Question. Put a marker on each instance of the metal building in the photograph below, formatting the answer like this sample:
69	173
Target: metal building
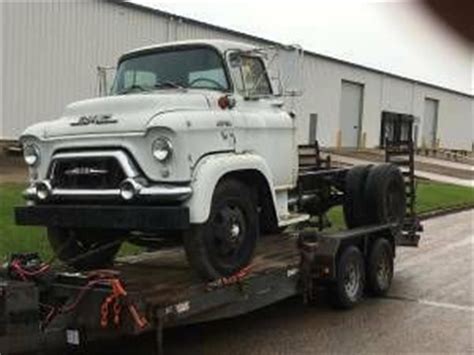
51	50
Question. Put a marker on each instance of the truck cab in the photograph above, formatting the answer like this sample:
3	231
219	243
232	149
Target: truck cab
192	143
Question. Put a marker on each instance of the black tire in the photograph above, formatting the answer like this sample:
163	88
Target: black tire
226	242
69	244
380	268
355	207
385	194
348	289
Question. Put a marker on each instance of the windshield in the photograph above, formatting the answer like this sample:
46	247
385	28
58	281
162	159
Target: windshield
176	68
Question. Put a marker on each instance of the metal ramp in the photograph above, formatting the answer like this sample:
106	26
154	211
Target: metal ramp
400	150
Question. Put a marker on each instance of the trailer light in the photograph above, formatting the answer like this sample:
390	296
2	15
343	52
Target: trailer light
162	149
43	190
31	154
129	189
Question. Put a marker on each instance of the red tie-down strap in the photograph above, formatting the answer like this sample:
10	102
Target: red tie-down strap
230	280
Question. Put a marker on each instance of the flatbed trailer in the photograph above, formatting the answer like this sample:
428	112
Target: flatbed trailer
165	292
42	308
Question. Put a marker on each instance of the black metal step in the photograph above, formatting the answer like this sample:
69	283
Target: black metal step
408	240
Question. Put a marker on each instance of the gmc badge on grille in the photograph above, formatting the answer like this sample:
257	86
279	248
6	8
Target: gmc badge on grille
85	170
94	119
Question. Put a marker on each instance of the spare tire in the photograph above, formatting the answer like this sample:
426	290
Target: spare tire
385	195
354	206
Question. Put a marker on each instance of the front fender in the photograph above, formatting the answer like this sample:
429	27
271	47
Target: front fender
210	170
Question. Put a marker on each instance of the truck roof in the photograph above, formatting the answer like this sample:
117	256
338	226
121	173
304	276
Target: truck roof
219	44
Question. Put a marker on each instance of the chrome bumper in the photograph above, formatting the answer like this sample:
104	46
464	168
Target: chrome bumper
153	192
133	188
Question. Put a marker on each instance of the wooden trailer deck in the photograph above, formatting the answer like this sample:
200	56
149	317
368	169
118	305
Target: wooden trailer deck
164	277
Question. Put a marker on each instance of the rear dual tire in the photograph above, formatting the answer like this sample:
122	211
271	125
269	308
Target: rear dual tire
374	195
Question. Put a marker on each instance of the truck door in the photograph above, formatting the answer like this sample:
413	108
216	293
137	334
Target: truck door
260	124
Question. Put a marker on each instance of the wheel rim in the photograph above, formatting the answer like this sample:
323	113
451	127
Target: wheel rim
352	280
229	228
383	273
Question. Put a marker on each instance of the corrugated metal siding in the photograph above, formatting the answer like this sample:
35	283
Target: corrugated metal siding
51	51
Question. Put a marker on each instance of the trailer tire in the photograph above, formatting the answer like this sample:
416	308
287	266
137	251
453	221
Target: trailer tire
69	244
380	268
354	206
348	289
385	195
226	242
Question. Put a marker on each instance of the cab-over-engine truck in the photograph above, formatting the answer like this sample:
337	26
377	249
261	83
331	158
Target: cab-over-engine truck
193	144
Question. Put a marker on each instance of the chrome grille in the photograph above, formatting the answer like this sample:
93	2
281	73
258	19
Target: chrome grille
87	173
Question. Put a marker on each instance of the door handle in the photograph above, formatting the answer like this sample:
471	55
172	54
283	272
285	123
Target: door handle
224	123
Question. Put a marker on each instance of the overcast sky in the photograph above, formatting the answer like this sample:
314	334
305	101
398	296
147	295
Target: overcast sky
395	36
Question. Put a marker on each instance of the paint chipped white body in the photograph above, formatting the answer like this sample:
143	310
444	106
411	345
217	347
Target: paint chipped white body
248	131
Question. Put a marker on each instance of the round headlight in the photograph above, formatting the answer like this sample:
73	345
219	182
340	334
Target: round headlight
162	149
31	154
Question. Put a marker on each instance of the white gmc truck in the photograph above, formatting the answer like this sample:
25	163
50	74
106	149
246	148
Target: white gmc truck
193	144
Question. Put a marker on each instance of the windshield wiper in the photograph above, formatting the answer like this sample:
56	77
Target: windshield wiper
169	84
131	88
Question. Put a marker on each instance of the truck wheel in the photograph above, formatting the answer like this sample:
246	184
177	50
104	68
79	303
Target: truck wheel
354	206
349	286
226	242
68	244
380	268
385	194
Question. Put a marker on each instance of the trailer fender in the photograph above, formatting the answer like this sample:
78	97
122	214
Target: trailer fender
211	169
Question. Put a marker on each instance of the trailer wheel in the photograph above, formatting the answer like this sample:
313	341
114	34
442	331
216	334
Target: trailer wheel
226	242
380	268
385	194
354	206
69	244
349	286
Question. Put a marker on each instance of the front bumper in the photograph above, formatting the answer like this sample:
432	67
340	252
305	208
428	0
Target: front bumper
144	193
138	218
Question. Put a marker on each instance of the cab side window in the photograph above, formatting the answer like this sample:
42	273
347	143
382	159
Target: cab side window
252	79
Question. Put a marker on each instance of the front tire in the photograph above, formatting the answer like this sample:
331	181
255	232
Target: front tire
70	244
226	242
